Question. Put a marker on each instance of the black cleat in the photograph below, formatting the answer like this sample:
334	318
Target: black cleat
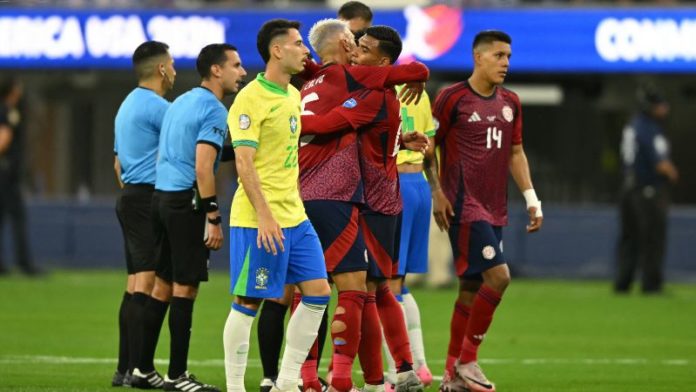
266	385
187	382
121	379
152	380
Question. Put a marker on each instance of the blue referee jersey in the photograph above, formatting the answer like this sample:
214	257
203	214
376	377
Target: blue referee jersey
195	117
643	146
137	131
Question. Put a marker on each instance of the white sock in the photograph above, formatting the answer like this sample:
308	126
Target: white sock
236	341
301	333
413	325
391	365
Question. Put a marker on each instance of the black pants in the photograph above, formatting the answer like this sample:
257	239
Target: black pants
12	207
643	237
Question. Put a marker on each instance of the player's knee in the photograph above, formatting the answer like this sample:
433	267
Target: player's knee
338	326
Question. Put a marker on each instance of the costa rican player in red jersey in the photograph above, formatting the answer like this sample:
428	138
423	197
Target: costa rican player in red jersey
331	184
480	139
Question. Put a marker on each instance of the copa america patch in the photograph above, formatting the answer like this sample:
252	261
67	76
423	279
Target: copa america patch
244	122
507	113
350	103
488	252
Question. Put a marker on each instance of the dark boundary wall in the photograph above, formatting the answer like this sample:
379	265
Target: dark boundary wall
575	242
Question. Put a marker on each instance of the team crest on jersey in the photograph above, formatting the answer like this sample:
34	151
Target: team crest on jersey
293	124
350	103
244	121
488	252
507	113
261	278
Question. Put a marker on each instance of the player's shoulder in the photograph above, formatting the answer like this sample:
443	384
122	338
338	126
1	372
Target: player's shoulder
453	91
509	94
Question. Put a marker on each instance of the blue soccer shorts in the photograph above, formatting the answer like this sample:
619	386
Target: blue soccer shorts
256	273
476	247
415	224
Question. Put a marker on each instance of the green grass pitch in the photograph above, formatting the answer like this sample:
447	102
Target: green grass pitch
59	333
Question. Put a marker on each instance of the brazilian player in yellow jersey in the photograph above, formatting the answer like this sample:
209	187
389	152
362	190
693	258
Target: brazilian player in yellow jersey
271	241
415	227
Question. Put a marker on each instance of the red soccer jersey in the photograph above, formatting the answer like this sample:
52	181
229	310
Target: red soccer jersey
378	143
329	166
475	136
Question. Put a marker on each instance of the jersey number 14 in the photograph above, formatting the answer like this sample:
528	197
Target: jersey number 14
494	136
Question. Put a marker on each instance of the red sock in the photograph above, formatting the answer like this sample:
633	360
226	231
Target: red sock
392	317
296	299
349	313
460	318
310	378
480	319
370	351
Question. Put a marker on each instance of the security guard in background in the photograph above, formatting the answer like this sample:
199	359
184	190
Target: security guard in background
11	154
648	172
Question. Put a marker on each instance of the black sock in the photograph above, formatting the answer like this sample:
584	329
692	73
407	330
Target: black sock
270	331
153	317
323	328
180	319
123	333
135	328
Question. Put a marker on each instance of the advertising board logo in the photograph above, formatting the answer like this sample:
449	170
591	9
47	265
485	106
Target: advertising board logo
430	32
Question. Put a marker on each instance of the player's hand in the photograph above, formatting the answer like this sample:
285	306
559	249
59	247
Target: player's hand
415	141
442	210
535	220
411	91
270	234
213	239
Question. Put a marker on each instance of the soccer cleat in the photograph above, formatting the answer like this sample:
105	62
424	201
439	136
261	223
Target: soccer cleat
452	384
324	385
408	382
188	383
152	380
425	375
389	386
120	379
373	388
266	385
473	377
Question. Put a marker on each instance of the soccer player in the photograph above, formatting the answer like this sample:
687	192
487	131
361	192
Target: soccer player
357	14
333	159
185	208
137	130
415	229
480	139
272	243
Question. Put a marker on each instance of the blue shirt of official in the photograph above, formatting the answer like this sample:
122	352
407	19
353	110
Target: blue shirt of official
137	131
195	117
643	146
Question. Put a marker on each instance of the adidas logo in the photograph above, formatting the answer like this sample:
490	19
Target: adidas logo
475	117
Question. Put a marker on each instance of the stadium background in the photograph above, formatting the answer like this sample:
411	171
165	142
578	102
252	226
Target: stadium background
576	66
577	83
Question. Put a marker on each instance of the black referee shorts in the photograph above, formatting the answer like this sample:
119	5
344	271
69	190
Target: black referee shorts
134	212
181	254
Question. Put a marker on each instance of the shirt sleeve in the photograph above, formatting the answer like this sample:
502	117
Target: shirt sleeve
362	107
244	122
517	125
213	127
442	113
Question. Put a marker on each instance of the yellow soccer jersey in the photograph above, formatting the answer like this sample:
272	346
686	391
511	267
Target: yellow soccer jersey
266	117
416	118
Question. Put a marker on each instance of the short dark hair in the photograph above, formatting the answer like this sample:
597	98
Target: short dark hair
389	41
490	36
210	55
355	9
649	96
143	55
270	30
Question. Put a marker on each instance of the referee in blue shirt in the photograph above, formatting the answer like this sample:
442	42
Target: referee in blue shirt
187	222
137	130
648	172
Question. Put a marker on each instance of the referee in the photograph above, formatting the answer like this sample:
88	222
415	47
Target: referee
185	209
137	129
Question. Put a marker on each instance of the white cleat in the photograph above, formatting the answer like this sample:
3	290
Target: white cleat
473	377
